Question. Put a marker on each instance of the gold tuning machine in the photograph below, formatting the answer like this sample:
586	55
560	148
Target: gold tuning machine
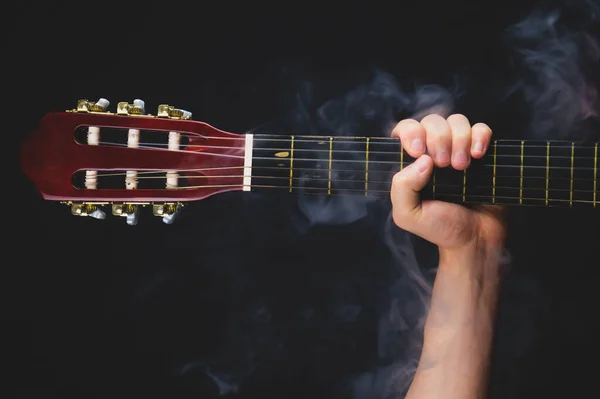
87	106
168	111
138	107
128	211
168	211
84	209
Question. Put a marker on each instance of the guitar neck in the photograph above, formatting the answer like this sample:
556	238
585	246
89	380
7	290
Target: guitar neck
536	173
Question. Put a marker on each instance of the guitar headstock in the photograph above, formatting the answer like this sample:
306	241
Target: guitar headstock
90	157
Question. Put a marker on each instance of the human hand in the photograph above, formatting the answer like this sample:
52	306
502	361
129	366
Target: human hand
443	142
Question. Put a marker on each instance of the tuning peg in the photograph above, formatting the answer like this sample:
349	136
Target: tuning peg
138	107
129	211
168	111
167	211
140	104
91	210
99	106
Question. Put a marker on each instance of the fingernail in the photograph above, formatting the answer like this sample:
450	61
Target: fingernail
478	147
417	145
461	157
442	157
421	164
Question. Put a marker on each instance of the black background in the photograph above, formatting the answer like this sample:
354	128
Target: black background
103	310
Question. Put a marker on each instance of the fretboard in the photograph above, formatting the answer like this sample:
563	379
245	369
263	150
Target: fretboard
539	173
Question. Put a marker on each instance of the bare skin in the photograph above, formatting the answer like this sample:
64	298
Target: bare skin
459	329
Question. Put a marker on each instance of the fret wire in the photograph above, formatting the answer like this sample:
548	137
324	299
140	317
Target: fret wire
494	174
595	171
521	178
330	159
433	183
464	191
367	168
572	164
547	170
291	163
401	158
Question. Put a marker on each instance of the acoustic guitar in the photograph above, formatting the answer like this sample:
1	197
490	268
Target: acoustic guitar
93	160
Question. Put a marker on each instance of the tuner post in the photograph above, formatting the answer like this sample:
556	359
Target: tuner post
138	107
93	135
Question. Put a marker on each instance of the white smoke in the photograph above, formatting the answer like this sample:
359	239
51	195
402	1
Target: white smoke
554	63
370	109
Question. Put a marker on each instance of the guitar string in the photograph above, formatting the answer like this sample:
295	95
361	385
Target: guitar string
469	198
286	170
163	146
347	161
358	181
500	143
475	198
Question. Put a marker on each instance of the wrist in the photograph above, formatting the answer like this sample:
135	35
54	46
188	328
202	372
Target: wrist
477	258
467	287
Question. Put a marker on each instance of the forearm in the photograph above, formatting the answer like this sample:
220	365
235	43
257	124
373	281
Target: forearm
459	329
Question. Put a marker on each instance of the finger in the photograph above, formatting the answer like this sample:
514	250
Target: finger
461	141
412	137
406	185
439	139
481	135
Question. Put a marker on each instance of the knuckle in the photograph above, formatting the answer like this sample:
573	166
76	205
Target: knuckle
461	136
481	130
399	181
406	127
432	118
438	129
458	119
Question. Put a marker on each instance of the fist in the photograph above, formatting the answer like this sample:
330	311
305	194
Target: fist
450	142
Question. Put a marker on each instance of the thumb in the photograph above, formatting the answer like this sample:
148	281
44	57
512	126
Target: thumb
406	184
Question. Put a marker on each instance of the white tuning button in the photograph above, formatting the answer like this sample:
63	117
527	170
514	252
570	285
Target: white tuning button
132	218
103	103
185	114
140	104
168	212
170	218
98	214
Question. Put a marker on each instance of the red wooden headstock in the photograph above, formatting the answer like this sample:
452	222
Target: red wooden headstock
89	157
